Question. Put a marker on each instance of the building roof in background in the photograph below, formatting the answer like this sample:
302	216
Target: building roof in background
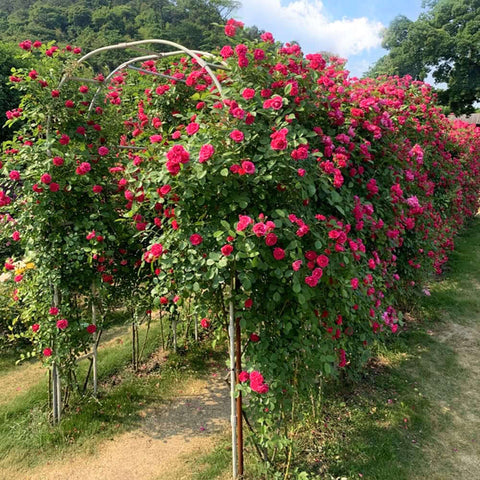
473	118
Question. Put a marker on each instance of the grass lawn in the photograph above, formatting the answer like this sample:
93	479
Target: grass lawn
415	414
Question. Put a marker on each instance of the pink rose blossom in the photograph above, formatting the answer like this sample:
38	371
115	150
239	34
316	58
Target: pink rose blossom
248	93
196	239
206	152
296	265
237	136
62	324
156	138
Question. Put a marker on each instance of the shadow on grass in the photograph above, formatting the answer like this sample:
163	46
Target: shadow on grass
27	438
377	428
391	424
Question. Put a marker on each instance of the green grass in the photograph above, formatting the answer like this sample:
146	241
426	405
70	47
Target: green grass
385	426
390	425
26	435
215	465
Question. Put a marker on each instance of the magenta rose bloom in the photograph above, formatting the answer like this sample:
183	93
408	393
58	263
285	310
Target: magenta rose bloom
237	136
206	152
271	239
91	328
227	250
196	239
62	324
46	178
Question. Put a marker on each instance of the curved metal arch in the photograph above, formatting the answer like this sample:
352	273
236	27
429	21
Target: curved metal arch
192	53
196	54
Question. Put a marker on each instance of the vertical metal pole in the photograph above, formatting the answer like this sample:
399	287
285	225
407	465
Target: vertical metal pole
95	334
59	395
174	327
54	394
56	387
238	369
231	332
160	318
134	345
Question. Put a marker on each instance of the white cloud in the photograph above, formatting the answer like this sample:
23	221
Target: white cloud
307	22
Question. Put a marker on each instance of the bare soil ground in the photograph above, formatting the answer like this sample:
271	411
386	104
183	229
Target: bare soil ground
169	435
19	380
453	452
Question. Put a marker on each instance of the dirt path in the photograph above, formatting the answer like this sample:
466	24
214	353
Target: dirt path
455	444
19	380
169	435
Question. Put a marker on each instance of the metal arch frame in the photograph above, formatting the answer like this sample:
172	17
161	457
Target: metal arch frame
181	49
237	464
196	54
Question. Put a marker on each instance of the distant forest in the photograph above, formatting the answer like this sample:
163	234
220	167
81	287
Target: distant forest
95	23
92	24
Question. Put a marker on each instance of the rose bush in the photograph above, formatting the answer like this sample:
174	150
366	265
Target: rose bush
316	201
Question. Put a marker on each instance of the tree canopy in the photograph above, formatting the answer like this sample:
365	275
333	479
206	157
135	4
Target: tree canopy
94	23
444	42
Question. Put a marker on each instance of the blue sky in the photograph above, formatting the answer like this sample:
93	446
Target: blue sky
351	28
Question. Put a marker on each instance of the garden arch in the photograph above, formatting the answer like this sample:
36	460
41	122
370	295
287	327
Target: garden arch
234	326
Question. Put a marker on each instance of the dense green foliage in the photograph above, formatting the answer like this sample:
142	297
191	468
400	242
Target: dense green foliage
95	23
8	98
443	41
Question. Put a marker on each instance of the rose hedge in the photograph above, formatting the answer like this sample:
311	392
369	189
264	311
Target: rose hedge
327	199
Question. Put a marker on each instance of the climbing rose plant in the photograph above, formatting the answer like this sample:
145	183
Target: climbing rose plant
317	202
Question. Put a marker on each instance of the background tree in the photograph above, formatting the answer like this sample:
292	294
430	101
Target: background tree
8	98
95	23
445	42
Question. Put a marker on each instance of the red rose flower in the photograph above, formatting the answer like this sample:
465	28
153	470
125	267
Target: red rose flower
279	253
91	328
196	239
227	250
